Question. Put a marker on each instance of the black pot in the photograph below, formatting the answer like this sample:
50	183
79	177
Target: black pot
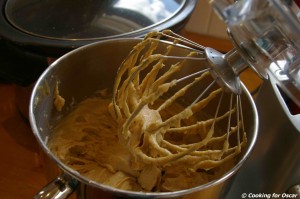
54	27
33	30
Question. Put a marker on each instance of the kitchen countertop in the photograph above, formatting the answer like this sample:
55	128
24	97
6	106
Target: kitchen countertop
22	172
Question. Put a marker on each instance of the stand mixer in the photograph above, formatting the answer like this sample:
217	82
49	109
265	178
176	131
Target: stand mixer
266	36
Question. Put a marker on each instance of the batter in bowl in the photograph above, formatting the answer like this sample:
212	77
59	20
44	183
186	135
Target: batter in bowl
141	142
87	141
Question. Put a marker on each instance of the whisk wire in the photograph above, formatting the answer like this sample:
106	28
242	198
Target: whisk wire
193	75
183	40
203	92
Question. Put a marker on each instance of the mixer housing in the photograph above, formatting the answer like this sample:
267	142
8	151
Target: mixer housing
266	37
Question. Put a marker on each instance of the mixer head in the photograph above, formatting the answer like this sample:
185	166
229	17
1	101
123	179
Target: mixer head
266	36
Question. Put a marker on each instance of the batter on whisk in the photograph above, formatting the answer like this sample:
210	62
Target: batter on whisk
144	140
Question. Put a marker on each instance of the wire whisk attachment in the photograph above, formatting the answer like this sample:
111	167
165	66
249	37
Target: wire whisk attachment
173	113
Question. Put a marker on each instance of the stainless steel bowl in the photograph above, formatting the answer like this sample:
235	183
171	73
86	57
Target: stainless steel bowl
79	74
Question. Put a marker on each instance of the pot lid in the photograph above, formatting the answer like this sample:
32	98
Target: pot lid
89	19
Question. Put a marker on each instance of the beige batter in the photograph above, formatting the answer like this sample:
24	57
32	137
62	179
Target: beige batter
87	141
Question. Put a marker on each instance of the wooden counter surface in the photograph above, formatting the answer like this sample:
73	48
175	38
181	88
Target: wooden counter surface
22	173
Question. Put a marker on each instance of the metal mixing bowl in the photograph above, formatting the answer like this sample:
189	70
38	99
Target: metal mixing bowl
79	74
